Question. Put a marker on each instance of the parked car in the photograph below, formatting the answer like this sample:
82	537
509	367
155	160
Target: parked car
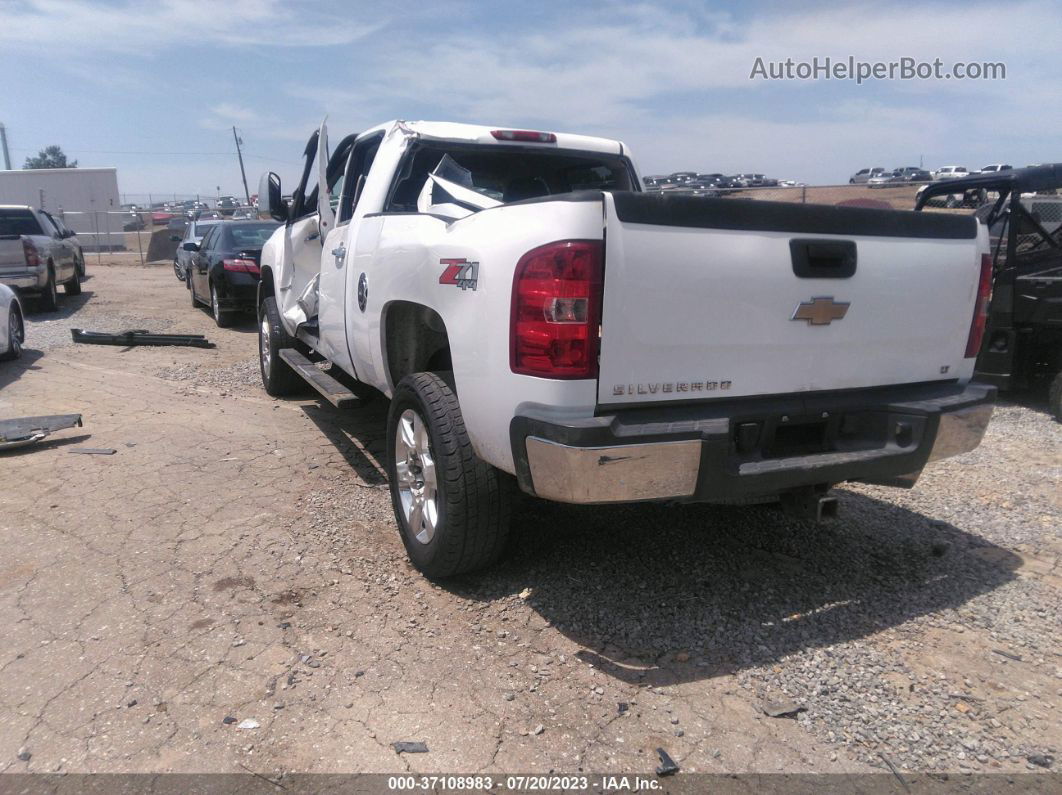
911	174
71	237
35	257
951	172
995	168
193	233
865	174
517	348
227	205
12	325
223	272
883	180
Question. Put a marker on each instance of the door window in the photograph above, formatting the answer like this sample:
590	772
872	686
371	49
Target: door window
361	159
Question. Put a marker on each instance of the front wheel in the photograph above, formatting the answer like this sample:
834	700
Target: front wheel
81	265
277	376
452	508
15	334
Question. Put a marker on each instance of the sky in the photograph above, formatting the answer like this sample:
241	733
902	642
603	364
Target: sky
155	88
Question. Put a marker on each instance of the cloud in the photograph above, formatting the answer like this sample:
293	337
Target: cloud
227	114
144	29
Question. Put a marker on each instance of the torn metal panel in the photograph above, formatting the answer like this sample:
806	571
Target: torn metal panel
139	337
25	431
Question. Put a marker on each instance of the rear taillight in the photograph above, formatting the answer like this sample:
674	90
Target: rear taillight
556	311
29	251
241	266
527	136
980	315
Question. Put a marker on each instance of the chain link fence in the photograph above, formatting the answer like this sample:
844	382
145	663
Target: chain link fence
145	223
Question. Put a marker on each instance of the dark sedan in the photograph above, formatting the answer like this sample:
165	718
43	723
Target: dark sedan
224	267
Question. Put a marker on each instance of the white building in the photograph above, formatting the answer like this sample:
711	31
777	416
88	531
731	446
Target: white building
87	199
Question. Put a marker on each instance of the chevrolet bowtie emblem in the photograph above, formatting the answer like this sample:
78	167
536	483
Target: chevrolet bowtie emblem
820	311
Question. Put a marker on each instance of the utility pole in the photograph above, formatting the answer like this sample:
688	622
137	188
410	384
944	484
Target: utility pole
243	173
3	142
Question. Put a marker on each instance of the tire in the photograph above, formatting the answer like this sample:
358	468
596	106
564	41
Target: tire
222	317
278	378
472	499
73	287
49	299
81	265
15	332
1054	396
177	270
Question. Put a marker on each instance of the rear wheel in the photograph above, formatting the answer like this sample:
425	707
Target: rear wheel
1054	396
452	508
49	299
222	317
81	264
73	287
277	376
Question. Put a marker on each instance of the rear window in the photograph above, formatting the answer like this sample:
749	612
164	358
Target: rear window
250	235
510	174
19	222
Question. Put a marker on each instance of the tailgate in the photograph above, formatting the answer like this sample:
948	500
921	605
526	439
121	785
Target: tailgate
12	257
721	298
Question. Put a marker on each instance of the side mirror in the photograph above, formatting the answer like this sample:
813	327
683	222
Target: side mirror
190	246
270	198
69	233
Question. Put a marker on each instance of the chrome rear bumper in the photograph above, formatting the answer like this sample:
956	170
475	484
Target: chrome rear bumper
693	457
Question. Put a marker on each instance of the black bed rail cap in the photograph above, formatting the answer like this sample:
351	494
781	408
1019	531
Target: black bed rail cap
754	215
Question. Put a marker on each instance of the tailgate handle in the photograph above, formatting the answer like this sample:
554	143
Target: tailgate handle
823	259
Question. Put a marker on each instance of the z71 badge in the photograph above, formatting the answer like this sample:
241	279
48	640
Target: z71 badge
460	273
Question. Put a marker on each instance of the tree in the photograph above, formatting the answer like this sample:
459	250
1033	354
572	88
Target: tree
50	157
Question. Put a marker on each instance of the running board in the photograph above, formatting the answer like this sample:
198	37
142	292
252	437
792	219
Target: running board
332	391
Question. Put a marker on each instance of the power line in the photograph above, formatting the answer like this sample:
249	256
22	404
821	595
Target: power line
174	154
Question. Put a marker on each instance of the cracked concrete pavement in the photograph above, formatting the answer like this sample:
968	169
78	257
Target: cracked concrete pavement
236	558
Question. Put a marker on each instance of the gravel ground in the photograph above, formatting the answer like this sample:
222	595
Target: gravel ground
921	629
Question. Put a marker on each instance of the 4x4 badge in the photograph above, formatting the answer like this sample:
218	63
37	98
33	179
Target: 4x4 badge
460	273
820	311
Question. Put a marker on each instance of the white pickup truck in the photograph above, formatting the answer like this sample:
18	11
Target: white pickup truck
537	320
37	254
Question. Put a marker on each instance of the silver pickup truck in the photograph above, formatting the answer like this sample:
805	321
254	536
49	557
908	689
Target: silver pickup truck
35	256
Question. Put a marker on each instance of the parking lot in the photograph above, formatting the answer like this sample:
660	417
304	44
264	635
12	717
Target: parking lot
236	558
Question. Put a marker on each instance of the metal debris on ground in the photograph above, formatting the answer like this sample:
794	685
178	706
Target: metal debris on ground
139	337
410	747
93	450
1008	655
667	766
25	431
